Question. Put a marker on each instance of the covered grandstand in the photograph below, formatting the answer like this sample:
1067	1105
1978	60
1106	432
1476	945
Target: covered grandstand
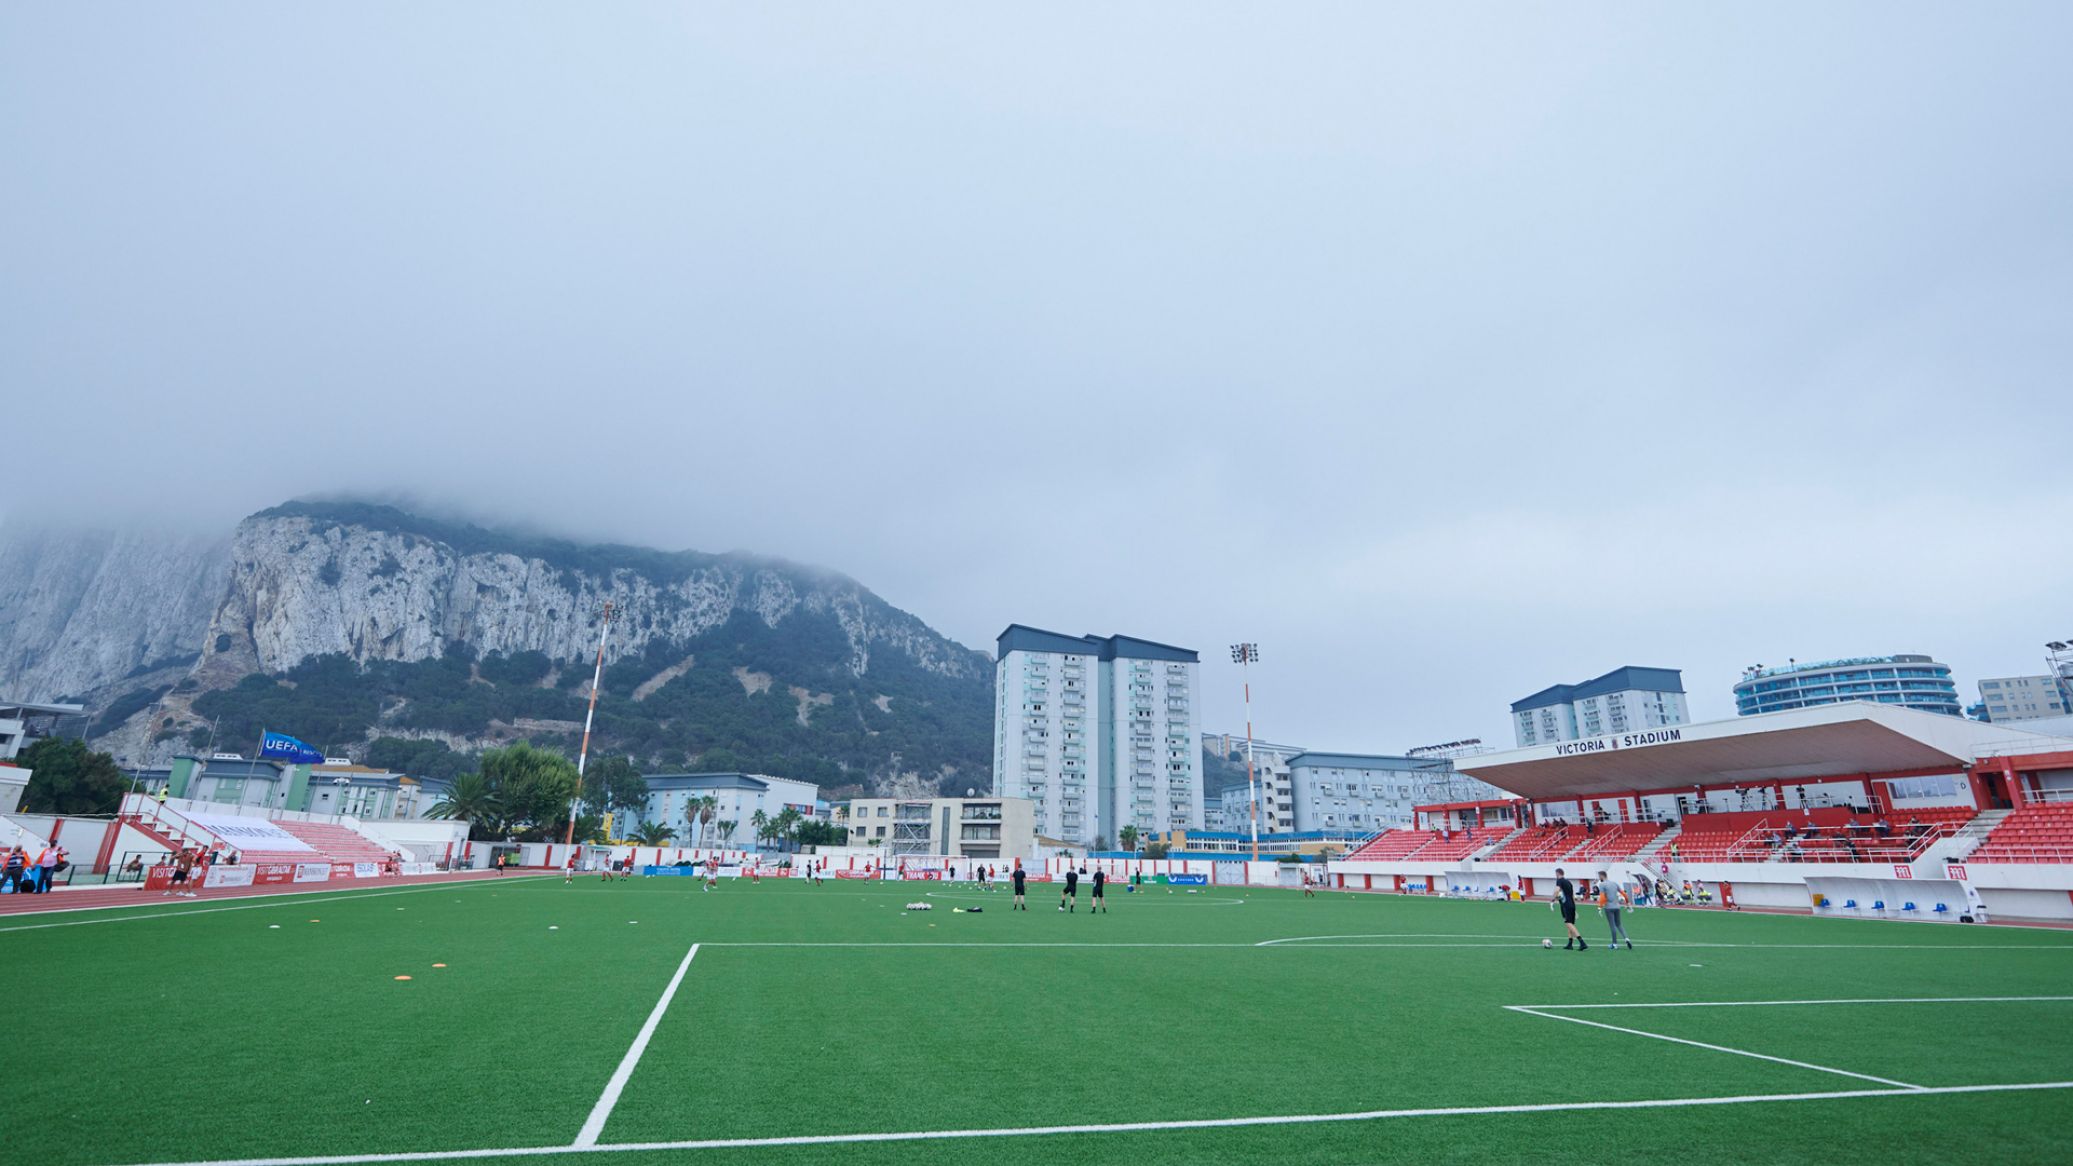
1764	803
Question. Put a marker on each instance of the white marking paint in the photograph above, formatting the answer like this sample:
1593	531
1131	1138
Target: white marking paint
255	902
602	1111
1697	1044
1120	1127
1790	1003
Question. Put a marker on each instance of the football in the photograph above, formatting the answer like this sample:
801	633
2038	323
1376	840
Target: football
1547	943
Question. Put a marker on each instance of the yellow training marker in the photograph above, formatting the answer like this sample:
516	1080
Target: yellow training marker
403	977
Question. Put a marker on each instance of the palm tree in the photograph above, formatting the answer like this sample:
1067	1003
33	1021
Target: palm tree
470	799
761	821
707	807
787	821
1128	837
652	834
726	826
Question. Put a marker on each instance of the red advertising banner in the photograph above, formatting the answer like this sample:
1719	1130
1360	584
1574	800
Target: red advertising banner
1955	870
271	873
854	874
160	878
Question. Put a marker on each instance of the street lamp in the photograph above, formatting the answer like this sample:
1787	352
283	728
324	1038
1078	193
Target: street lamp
1245	655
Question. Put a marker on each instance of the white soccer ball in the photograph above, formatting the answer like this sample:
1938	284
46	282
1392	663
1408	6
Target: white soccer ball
1547	943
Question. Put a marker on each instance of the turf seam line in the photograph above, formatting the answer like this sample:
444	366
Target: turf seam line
1529	1011
283	899
1121	1127
1787	1003
602	1111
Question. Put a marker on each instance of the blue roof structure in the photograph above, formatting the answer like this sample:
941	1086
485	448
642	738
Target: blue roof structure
1617	680
1022	638
672	781
1368	761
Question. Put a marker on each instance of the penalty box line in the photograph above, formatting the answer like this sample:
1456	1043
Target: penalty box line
1119	1127
1529	1010
602	1111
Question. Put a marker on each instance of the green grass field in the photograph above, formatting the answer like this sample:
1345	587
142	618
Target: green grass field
275	1029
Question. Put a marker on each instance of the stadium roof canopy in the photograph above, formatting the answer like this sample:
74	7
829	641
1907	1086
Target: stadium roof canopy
1839	740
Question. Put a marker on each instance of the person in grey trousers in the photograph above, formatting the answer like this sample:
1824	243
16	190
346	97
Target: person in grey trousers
1609	902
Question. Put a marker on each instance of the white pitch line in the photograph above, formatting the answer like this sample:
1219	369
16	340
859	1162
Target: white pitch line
1518	944
283	899
1788	1003
1118	1127
602	1111
1678	1040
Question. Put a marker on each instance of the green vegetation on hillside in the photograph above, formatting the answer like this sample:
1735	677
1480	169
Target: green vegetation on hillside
706	718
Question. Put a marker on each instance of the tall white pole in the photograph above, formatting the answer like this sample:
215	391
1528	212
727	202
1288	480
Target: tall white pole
1250	779
597	678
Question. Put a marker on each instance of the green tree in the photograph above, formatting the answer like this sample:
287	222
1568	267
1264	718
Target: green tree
1128	837
533	789
652	834
613	783
68	778
786	821
761	821
1155	850
701	812
726	828
470	799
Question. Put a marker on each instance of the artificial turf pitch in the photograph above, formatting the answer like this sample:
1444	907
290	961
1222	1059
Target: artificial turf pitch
278	1028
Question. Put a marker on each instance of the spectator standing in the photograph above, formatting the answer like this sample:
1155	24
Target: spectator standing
12	869
1610	901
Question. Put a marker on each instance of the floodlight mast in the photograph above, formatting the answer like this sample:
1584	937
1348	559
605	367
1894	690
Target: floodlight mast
597	677
1244	655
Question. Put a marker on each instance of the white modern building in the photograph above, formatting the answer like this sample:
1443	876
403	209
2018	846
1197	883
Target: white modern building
1909	681
1622	699
1002	828
737	798
2028	698
21	724
1365	792
1097	732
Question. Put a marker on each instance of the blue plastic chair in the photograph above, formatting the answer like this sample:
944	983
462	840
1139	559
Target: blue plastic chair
1878	905
1943	909
1907	906
1849	904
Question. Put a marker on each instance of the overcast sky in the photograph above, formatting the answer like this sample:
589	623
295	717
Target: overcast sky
1447	351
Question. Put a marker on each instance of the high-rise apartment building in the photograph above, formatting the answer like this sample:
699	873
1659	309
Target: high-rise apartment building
1097	732
1621	700
1915	682
2028	698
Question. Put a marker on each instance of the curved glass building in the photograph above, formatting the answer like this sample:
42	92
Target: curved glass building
1915	682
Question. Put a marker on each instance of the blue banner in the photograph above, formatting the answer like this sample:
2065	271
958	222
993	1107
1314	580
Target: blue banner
1186	880
282	747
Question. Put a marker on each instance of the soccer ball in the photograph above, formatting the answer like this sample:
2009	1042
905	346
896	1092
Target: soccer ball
1547	943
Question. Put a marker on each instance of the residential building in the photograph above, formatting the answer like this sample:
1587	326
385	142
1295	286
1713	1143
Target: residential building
1621	700
737	798
1002	828
1909	681
2028	698
333	786
1097	732
1369	792
1231	747
1277	811
21	724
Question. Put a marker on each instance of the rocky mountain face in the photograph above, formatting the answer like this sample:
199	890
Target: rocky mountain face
361	626
82	611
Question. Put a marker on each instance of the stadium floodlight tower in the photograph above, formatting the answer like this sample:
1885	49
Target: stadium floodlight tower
597	677
1245	655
